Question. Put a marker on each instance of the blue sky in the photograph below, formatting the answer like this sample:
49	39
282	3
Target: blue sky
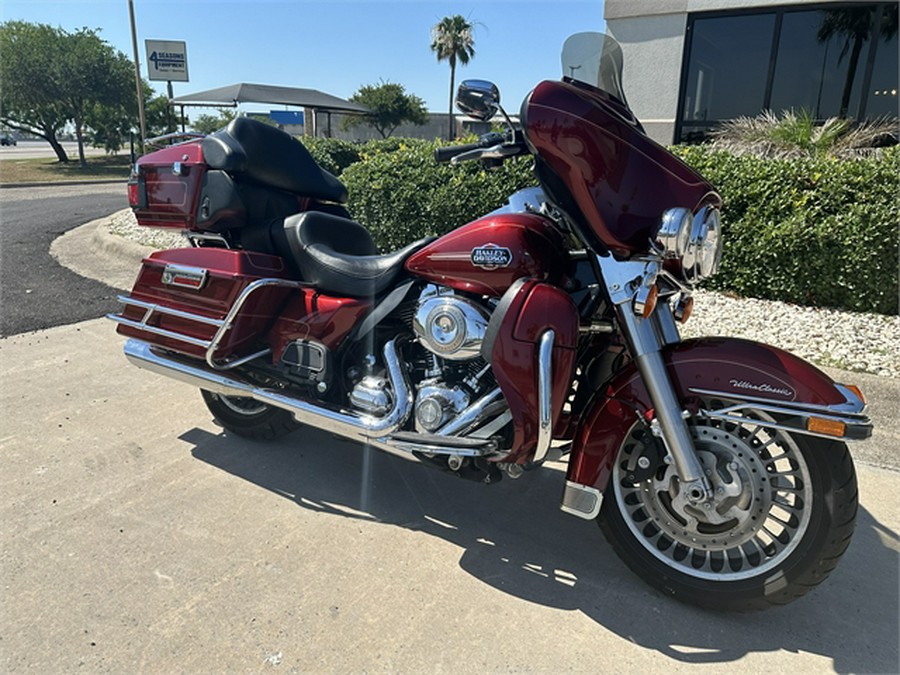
334	46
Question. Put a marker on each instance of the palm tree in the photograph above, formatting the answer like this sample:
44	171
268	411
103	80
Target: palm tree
452	39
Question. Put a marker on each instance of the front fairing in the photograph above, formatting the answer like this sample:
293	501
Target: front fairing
618	179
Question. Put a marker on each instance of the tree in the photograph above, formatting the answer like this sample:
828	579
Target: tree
452	40
391	106
50	77
206	124
30	83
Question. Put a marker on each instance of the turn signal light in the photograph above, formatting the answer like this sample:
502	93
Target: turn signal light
645	301
683	309
856	390
819	425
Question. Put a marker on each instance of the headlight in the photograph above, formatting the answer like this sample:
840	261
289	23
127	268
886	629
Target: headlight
704	248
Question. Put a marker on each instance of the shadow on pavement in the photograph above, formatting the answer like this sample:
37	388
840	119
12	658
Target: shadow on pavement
516	540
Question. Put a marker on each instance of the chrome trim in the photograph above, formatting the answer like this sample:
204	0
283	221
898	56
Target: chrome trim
796	414
852	405
190	136
342	423
194	237
674	231
664	320
471	416
172	272
223	325
545	395
581	500
528	200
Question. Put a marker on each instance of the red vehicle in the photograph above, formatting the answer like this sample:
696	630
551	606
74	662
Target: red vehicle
717	468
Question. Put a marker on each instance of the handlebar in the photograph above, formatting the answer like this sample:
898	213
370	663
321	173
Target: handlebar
488	140
447	153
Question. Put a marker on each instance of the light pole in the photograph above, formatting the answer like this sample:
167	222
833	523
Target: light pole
137	75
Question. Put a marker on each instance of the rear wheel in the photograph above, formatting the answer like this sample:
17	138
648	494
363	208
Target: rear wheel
782	515
248	417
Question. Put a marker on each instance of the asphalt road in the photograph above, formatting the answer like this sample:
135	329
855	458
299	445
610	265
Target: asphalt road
35	291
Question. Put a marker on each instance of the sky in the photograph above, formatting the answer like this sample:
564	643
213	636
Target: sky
334	46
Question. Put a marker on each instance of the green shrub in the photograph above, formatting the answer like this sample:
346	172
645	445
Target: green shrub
812	231
401	194
332	154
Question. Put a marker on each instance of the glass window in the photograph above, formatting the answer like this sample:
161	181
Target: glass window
821	61
729	64
881	100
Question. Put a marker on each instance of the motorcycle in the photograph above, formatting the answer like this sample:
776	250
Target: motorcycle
717	468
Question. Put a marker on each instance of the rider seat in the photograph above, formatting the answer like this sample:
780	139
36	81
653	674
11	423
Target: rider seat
338	255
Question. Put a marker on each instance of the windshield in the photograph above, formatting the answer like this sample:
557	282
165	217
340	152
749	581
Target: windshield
596	59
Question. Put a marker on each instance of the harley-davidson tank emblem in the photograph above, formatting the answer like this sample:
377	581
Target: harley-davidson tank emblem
491	256
763	388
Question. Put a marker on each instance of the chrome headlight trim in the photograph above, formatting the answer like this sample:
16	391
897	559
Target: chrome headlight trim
675	231
704	250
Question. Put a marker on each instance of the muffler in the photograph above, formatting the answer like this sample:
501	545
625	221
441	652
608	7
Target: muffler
347	424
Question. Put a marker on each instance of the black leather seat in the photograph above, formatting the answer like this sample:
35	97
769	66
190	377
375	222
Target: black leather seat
339	256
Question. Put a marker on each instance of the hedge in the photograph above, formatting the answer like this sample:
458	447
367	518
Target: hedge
402	194
816	231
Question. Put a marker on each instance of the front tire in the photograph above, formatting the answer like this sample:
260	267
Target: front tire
782	516
249	418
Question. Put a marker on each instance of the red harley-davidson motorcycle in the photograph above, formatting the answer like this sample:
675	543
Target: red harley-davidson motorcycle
717	468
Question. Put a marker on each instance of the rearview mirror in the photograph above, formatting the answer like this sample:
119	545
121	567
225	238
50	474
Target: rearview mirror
479	99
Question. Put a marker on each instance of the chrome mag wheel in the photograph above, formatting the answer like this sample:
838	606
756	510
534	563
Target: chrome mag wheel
762	497
781	515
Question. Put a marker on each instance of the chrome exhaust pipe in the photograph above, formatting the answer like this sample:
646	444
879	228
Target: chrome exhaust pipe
342	423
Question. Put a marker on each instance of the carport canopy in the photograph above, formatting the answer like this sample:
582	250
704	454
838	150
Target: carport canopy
245	92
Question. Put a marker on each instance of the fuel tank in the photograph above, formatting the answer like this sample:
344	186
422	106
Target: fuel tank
487	255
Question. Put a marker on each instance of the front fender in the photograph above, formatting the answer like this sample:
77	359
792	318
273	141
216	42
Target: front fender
752	374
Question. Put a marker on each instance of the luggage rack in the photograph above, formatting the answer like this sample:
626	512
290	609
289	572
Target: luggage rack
223	325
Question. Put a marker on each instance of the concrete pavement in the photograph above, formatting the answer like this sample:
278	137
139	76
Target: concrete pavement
140	537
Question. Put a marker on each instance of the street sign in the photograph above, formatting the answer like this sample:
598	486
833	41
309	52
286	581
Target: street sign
167	60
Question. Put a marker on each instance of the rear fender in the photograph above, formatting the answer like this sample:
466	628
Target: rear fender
738	375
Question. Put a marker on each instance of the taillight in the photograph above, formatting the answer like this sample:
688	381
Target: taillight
137	192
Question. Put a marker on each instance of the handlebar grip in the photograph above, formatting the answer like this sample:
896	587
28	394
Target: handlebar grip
447	153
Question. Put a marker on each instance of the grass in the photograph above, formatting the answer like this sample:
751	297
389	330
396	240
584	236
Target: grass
47	170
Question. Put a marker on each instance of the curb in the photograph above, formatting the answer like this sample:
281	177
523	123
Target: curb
8	186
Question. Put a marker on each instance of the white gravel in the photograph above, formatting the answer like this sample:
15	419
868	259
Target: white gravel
848	340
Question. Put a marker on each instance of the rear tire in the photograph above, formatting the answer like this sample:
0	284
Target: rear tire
249	418
782	517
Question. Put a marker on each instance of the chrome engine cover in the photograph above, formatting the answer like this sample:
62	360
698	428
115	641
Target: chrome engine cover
450	326
437	404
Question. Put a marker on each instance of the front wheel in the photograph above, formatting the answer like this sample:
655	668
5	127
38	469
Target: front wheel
249	418
782	515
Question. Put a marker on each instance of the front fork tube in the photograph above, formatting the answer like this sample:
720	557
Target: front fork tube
645	338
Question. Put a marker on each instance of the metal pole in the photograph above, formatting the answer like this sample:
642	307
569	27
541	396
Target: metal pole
137	75
170	123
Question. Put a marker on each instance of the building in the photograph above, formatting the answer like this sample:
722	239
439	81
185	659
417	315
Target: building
690	64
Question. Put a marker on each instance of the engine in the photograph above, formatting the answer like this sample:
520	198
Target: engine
450	326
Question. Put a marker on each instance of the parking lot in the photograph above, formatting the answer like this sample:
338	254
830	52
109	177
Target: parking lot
139	537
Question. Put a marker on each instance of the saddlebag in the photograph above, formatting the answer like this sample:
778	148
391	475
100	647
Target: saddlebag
211	303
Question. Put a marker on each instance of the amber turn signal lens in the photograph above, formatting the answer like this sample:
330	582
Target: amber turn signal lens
684	310
650	302
856	390
818	425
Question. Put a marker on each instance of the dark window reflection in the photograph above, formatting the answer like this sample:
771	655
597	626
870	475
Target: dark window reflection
813	66
881	100
729	67
839	61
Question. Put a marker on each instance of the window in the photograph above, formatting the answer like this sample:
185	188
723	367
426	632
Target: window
830	60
